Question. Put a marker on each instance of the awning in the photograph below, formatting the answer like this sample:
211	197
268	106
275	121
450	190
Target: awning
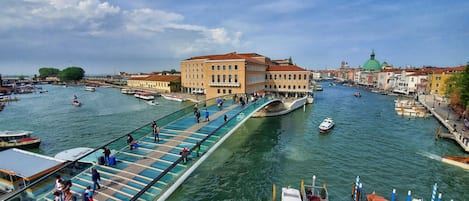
27	165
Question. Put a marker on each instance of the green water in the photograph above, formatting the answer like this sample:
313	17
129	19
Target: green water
103	116
369	140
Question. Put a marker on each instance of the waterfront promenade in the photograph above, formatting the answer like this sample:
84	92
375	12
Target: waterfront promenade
439	108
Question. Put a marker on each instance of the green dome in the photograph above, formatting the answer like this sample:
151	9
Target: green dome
372	63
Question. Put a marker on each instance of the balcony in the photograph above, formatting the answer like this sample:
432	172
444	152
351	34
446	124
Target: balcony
224	84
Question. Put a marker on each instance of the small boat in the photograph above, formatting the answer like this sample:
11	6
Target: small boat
459	161
326	125
127	91
318	87
75	102
173	97
152	102
357	94
144	95
306	192
18	139
90	88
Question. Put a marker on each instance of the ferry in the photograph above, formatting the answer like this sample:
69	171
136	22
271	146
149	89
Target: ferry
90	88
18	139
173	97
21	174
144	95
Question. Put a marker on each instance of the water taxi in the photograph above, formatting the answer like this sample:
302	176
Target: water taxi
326	125
18	139
144	95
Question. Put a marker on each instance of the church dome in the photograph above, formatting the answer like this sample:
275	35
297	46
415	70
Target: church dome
372	63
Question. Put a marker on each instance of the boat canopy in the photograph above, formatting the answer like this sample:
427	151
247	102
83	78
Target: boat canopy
22	167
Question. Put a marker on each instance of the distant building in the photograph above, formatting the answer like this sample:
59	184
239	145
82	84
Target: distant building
372	64
160	83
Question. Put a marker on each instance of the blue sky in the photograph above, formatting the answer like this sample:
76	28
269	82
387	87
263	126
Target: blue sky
104	37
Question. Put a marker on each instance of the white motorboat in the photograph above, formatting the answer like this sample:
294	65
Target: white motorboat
326	125
173	97
90	88
127	91
152	102
75	102
144	95
290	194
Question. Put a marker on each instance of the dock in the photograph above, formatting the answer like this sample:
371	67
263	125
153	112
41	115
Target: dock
448	118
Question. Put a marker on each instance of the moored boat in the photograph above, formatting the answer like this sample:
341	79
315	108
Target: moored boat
144	95
305	193
18	139
326	125
127	91
173	97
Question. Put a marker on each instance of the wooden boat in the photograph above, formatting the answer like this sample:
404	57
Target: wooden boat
357	94
144	95
326	125
459	161
374	197
18	139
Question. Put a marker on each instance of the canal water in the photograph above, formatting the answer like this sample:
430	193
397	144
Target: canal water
369	140
104	115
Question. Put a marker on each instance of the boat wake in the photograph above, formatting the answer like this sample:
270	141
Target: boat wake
430	155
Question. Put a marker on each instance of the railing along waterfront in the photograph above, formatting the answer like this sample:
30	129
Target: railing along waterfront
78	171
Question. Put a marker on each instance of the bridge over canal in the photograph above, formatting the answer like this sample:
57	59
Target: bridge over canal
153	170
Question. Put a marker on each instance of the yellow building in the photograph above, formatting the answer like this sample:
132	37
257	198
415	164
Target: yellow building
239	73
160	83
437	79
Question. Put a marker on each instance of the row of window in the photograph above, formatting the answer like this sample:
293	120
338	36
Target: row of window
224	67
274	77
224	78
284	86
224	91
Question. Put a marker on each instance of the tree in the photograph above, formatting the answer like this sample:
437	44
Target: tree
463	84
71	74
173	71
21	77
48	72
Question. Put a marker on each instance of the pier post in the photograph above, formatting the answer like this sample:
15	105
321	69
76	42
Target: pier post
393	195
439	197
435	187
409	196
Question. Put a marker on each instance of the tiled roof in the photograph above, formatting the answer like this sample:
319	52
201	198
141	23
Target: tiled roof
285	68
229	56
161	78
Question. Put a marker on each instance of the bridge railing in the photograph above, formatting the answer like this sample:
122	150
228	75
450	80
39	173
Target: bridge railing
69	168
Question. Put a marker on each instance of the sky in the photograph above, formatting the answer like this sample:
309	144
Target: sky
138	36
